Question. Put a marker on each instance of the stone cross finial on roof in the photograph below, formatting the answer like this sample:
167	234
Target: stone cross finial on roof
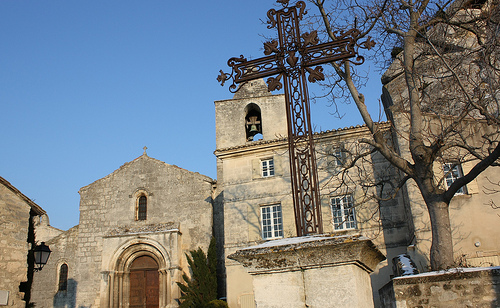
145	148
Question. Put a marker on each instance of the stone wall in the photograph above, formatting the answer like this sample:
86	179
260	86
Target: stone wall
46	282
44	231
17	212
14	218
468	287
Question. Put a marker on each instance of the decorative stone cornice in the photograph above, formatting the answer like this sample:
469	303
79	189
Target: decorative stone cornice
144	229
282	140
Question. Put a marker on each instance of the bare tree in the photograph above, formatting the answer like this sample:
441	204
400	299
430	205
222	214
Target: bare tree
444	72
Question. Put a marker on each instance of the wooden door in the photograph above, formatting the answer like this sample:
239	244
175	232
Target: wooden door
144	283
152	289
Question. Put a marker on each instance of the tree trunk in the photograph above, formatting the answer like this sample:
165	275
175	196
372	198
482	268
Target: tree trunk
442	241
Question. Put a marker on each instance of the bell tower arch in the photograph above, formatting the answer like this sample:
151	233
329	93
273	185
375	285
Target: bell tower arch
253	122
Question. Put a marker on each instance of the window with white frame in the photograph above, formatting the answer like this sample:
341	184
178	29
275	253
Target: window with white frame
343	213
272	221
452	172
267	166
338	157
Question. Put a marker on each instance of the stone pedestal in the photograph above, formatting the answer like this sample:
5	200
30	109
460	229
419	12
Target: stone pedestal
314	271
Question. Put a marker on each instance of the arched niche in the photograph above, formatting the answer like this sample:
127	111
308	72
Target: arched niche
253	121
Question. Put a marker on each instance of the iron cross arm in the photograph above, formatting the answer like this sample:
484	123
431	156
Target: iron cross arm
281	59
333	51
244	70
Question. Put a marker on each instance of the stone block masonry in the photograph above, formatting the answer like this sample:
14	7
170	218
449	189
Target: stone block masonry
461	287
314	271
17	213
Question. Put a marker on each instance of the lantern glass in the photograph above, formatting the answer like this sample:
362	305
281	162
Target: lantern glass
42	253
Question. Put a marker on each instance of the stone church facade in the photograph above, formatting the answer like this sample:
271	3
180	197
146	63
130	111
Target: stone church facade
136	225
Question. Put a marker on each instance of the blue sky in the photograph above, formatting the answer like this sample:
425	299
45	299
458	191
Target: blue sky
85	85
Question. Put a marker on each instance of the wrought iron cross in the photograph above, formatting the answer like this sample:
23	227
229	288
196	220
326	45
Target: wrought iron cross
290	58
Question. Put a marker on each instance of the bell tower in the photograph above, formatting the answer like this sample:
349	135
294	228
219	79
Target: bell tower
251	156
253	114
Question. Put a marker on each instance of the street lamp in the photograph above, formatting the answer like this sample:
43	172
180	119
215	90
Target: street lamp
42	253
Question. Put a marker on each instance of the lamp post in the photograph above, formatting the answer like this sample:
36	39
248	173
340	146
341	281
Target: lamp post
42	253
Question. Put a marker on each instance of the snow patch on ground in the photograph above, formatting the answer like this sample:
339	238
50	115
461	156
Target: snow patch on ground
452	271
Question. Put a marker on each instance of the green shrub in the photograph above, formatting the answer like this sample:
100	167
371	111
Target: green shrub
217	303
201	288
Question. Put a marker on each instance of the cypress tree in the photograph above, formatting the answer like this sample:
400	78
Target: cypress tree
201	288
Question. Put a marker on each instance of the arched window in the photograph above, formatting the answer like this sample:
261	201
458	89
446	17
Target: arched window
253	121
142	208
63	277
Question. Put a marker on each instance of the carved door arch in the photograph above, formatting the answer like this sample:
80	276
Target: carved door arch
152	261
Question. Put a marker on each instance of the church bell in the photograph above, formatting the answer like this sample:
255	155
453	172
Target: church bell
253	129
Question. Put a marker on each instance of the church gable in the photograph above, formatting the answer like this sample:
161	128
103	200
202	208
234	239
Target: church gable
146	191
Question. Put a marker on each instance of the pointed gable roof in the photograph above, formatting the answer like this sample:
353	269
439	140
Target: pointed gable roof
145	158
35	207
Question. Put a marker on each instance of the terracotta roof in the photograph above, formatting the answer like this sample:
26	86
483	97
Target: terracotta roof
283	139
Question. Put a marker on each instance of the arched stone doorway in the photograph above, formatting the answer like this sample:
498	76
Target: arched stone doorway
134	266
144	283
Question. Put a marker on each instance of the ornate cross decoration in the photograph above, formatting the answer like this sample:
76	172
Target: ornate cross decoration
290	58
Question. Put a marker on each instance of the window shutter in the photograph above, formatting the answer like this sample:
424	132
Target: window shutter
256	172
472	187
278	168
438	170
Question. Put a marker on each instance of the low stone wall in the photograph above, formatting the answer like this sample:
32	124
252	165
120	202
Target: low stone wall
462	287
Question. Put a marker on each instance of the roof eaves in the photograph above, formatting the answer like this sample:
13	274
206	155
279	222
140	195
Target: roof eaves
35	207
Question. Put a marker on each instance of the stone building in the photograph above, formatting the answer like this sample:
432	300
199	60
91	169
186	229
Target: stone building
254	176
142	218
254	179
18	214
473	215
136	224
